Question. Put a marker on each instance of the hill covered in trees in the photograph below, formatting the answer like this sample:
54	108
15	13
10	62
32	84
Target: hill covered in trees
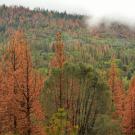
41	25
62	77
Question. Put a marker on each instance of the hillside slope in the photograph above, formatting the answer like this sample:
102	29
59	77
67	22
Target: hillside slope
94	45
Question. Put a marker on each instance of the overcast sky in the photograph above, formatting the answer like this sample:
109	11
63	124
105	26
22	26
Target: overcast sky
118	9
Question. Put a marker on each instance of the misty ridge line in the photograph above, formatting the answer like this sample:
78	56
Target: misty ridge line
91	21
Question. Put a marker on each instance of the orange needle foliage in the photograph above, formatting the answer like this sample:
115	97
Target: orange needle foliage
124	104
5	98
128	122
59	58
116	87
24	86
58	62
10	65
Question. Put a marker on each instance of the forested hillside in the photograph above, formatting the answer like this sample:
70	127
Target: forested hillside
59	76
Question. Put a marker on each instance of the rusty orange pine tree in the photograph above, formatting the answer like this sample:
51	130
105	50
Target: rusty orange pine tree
13	61
30	84
25	87
128	122
58	62
5	97
117	90
66	86
10	64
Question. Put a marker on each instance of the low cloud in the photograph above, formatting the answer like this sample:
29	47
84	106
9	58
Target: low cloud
95	21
